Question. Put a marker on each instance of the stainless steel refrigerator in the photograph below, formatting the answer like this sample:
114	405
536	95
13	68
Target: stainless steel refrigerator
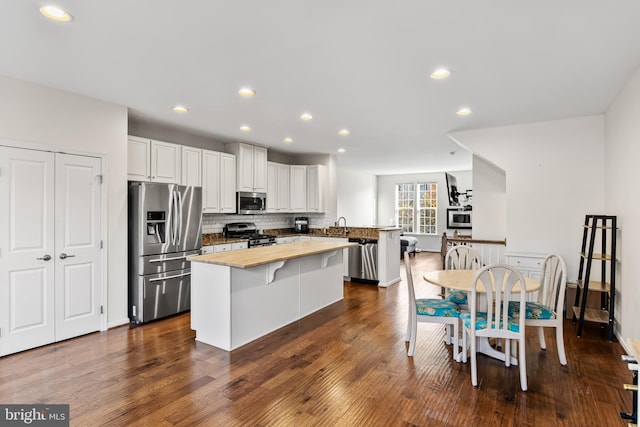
165	227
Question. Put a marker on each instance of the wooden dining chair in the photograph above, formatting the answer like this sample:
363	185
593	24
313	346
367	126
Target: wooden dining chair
496	282
461	257
546	312
430	310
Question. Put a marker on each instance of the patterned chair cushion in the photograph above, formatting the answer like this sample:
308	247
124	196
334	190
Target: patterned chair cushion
459	297
437	307
481	321
535	310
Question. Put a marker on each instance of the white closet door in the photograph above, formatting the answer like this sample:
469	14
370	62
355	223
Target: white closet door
77	240
26	249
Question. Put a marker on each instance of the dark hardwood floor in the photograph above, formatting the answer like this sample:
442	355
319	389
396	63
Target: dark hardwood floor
345	365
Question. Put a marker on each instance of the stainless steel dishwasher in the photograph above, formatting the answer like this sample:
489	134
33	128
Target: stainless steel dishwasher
363	260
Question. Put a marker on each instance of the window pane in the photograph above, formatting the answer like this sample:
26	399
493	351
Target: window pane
416	207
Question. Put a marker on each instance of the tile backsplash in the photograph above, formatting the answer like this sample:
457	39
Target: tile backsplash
214	223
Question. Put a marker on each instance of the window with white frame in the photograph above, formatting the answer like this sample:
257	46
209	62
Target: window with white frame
416	207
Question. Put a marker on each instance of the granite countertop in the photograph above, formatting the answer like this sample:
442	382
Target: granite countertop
247	258
332	231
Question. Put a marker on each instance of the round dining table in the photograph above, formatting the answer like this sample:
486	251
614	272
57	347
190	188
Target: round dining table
462	280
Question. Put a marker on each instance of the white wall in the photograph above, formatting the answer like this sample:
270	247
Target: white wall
489	200
622	152
387	201
36	114
555	175
356	198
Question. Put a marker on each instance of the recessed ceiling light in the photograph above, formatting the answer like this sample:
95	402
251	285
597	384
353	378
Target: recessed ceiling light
341	150
306	116
248	92
440	73
288	140
245	128
56	14
344	132
463	111
180	109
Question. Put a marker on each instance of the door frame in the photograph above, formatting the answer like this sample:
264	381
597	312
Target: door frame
104	300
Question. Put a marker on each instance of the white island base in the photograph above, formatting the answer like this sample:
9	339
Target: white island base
232	306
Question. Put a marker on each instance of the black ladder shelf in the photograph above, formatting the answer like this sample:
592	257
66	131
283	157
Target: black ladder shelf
606	226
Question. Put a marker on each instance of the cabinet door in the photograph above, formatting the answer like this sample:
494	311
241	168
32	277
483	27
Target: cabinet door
283	204
191	166
260	169
138	159
315	188
298	188
272	187
165	162
227	183
210	181
245	167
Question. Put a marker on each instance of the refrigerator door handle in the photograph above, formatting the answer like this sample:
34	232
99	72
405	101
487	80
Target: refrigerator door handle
168	259
179	210
174	234
169	277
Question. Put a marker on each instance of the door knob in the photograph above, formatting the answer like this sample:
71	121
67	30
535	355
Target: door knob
63	256
45	258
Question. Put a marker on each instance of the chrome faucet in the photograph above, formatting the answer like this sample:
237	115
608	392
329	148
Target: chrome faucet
345	230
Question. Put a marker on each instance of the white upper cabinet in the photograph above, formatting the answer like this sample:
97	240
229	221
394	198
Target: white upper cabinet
138	159
277	187
298	188
165	162
191	166
218	182
251	167
210	181
272	187
227	183
155	161
316	187
283	201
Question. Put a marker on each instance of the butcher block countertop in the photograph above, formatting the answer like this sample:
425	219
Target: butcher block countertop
247	258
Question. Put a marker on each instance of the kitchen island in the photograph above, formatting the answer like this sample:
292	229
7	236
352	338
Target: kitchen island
242	295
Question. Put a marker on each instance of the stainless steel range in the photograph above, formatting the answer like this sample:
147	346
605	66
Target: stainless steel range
248	230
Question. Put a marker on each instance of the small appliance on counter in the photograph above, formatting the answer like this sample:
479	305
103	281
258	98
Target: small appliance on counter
248	230
301	224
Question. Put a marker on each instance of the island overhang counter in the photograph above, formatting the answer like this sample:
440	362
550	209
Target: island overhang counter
239	296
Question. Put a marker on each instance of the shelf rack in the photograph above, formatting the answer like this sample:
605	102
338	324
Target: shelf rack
606	226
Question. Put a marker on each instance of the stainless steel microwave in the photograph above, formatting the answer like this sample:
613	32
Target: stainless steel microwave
251	203
458	218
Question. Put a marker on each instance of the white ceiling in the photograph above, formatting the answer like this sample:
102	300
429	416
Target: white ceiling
361	64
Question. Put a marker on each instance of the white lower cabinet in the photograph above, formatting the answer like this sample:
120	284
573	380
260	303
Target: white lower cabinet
223	247
529	264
